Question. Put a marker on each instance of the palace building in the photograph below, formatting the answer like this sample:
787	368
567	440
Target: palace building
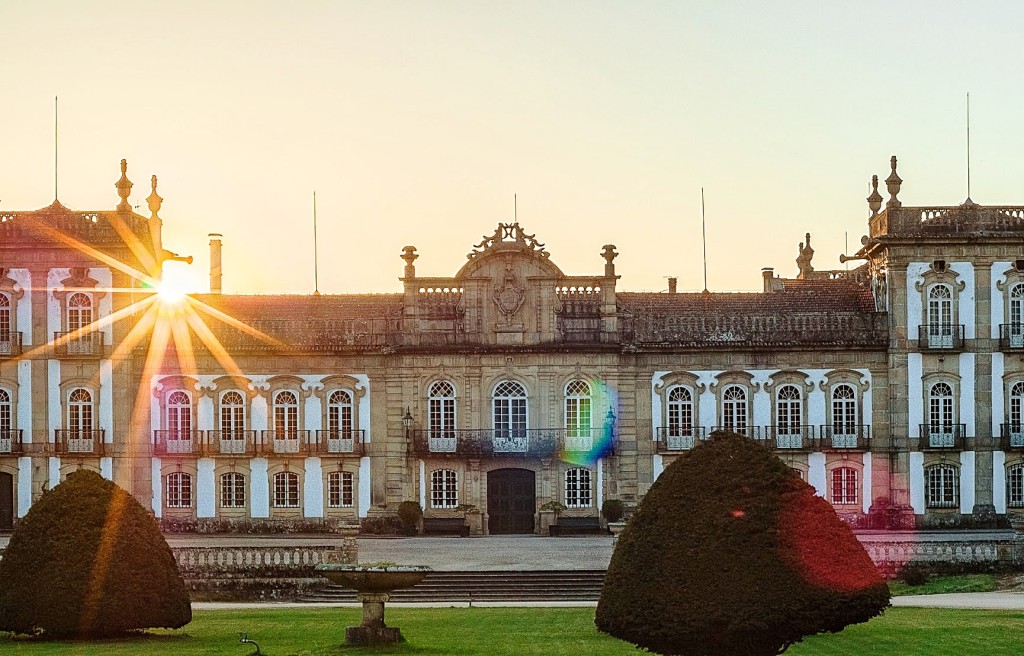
894	388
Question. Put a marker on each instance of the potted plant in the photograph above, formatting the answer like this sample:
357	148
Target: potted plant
549	513
410	514
613	510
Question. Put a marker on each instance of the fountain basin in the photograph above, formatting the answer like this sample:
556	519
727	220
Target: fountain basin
373	578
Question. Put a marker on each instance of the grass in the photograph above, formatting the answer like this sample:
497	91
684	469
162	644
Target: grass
524	631
946	585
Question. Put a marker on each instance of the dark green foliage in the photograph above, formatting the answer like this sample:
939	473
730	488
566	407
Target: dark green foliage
88	560
410	513
914	574
613	510
730	553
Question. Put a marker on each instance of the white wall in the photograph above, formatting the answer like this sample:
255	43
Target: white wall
866	480
23	280
998	306
915	305
915	400
313	499
364	486
966	482
24	485
105	280
24	418
53	282
966	307
53	475
206	488
916	474
998	394
967	407
158	488
107	468
999	481
259	488
107	400
56	408
816	477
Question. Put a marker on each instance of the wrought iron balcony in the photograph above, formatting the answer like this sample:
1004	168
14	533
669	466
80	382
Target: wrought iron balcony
231	442
943	436
1012	436
853	437
10	441
487	442
753	432
340	443
177	442
791	437
1011	337
88	345
10	344
940	337
84	442
679	438
286	443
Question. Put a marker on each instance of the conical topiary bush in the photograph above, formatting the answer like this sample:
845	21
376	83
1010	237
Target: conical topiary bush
88	560
730	553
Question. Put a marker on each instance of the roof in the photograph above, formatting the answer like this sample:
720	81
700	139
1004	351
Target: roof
303	306
797	296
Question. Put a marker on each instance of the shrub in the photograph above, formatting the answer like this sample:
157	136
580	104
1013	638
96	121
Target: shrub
613	510
88	560
409	513
914	574
730	553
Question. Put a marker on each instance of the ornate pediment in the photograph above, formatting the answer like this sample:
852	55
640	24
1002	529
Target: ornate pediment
510	295
509	238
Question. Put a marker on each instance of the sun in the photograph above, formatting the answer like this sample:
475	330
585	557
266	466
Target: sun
177	281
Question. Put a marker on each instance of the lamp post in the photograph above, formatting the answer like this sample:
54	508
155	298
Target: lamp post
407	422
609	422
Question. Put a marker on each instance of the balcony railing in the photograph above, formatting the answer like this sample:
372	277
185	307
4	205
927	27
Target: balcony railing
679	438
87	442
10	344
10	441
286	442
87	345
753	432
943	436
940	337
177	442
231	442
1012	436
340	443
855	437
533	442
790	437
1011	337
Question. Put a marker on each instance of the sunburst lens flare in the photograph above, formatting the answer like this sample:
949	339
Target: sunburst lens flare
175	284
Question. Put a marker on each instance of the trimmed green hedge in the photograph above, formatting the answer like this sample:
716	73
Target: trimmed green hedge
730	553
88	560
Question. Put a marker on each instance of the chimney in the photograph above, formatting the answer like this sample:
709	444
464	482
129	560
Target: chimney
672	285
215	270
768	274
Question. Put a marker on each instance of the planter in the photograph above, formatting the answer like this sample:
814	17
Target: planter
373	586
616	528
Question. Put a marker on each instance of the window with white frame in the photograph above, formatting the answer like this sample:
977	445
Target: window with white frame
179	490
941	331
444	488
734	409
578	416
441	416
339	414
1015	486
844	486
232	490
577	488
1015	429
788	416
680	412
844	412
941	427
286	415
1016	316
286	490
6	413
80	414
232	413
79	310
6	329
340	490
942	489
509	417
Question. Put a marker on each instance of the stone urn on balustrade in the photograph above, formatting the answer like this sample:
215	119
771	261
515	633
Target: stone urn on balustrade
373	584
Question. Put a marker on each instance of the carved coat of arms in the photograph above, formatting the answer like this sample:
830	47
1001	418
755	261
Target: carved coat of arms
510	296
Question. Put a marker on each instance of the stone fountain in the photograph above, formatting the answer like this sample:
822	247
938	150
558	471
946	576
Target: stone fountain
373	584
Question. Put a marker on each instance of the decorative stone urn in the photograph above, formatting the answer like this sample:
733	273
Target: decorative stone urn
615	528
373	584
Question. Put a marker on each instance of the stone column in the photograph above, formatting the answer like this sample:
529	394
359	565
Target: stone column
984	441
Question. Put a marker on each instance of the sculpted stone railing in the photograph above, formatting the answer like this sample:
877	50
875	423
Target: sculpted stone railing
756	330
210	560
955	219
893	549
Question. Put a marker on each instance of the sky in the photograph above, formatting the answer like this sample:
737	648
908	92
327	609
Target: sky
418	122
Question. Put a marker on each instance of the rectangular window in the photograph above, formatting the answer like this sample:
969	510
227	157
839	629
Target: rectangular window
577	488
340	490
444	489
232	490
179	490
1015	486
943	489
844	486
286	490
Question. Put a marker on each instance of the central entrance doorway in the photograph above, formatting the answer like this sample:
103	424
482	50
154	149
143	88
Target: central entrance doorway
511	501
6	501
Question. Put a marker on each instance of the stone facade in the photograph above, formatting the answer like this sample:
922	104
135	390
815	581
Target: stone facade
511	387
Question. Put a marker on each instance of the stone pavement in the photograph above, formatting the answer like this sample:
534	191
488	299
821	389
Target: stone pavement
492	553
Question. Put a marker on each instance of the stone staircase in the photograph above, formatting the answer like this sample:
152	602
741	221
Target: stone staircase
547	585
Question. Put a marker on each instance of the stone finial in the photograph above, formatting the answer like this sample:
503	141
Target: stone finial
609	256
803	261
892	184
124	188
409	255
875	199
154	200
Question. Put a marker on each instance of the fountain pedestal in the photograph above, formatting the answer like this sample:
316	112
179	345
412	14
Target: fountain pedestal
373	631
373	585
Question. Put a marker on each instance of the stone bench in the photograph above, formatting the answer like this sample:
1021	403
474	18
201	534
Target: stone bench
571	525
445	525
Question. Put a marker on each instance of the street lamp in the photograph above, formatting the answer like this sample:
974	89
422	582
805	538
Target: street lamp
407	421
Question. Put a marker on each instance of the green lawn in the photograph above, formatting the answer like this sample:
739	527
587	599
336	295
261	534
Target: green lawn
946	585
515	631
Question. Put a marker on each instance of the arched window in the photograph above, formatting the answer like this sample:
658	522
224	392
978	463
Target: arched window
941	330
679	434
941	422
179	490
441	417
509	416
286	490
80	419
341	437
6	413
6	329
178	433
789	417
1015	430
232	422
942	489
734	409
232	490
444	488
286	415
844	416
578	415
1015	486
340	490
844	486
577	488
79	311
1016	316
